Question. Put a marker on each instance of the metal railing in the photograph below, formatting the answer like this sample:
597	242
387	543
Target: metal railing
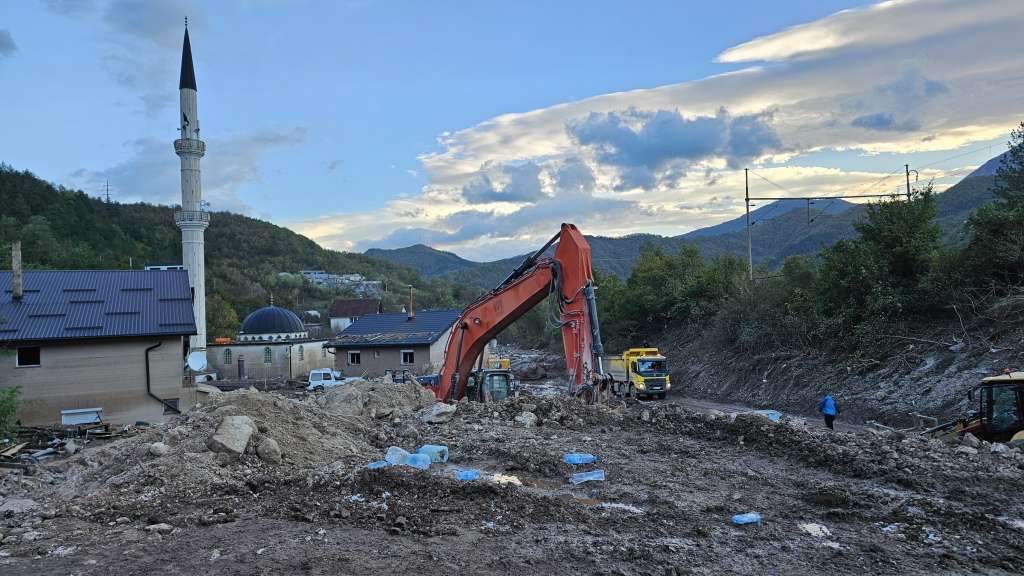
187	216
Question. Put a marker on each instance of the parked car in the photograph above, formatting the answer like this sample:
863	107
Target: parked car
323	378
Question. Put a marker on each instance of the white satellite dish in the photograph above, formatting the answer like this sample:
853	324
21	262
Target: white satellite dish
197	361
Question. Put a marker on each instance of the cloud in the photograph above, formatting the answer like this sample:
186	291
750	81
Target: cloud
72	8
653	146
522	185
884	121
7	45
160	23
142	34
152	174
880	25
901	76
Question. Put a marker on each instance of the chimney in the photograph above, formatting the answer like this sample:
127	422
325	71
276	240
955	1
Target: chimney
412	311
17	289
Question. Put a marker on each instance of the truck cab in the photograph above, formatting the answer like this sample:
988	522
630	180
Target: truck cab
639	372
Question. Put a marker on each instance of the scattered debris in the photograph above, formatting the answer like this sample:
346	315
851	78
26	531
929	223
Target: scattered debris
816	530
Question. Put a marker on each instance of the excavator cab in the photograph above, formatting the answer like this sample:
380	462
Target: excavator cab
1000	408
490	385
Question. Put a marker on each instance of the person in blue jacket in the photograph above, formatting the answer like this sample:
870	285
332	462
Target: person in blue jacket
828	407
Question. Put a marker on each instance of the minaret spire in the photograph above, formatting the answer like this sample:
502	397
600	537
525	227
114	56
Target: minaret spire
192	219
188	71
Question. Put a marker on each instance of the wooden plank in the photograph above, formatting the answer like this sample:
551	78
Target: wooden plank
10	452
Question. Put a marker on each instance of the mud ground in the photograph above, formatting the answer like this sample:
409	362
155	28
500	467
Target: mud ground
674	478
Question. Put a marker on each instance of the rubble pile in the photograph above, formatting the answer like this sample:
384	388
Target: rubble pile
254	474
233	445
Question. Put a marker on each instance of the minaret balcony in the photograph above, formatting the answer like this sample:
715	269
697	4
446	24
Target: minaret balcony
189	146
191	217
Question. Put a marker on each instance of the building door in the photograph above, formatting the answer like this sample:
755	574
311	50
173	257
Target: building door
241	367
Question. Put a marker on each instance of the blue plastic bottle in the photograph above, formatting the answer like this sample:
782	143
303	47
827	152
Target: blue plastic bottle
748	518
420	461
575	458
436	452
467	474
378	464
587	476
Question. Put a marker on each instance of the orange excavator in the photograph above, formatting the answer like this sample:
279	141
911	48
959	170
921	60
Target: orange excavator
569	280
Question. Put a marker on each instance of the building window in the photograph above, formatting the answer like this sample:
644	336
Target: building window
227	356
323	352
171	406
408	358
301	354
376	353
29	356
268	358
354	358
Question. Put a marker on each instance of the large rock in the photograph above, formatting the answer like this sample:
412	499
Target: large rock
970	440
526	419
232	436
269	451
998	448
159	449
438	413
966	450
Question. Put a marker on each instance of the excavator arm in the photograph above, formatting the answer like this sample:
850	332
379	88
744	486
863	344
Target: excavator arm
568	278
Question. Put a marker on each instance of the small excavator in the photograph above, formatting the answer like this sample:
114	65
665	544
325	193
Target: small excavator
568	279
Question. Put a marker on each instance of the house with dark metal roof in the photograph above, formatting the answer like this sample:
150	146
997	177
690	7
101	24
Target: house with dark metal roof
394	341
345	311
96	344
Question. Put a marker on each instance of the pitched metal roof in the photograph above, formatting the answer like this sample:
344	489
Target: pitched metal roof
395	329
87	304
347	308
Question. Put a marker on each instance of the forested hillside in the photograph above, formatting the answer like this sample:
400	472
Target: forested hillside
66	229
895	311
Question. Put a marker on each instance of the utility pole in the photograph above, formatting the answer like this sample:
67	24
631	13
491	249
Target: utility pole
750	249
108	191
907	166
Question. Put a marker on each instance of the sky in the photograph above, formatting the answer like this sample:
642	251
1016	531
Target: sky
477	127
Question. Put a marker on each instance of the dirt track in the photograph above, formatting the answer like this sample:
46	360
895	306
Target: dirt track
674	479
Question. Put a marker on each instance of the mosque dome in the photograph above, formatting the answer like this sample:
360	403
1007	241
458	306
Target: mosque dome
272	323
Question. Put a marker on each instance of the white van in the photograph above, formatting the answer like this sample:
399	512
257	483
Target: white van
322	378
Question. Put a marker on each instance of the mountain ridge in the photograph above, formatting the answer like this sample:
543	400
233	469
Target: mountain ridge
785	233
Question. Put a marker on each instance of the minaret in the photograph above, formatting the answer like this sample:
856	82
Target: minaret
192	219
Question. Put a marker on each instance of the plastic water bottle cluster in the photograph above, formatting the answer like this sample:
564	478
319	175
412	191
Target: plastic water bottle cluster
422	459
579	458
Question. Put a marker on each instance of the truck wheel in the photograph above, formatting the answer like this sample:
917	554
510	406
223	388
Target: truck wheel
318	389
661	396
632	392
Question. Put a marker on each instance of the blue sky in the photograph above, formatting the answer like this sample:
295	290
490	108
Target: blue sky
478	126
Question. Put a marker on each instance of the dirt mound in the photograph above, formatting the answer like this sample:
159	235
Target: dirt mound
374	398
131	475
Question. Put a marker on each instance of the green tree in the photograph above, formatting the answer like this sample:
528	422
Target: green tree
995	250
1009	182
221	318
8	411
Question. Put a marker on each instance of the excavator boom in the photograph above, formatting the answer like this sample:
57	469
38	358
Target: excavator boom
568	278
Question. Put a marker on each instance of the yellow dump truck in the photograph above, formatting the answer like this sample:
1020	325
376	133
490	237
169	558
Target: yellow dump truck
638	372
